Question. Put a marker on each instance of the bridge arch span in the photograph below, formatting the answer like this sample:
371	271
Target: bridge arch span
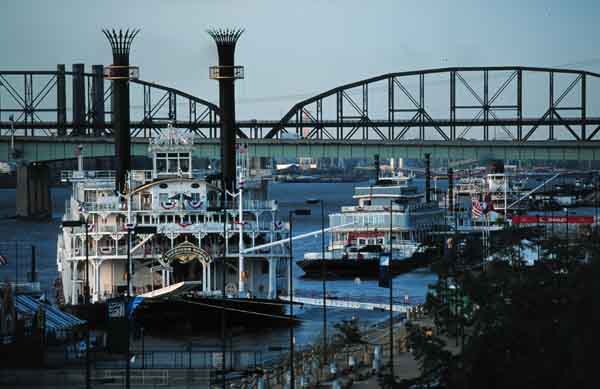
78	103
473	103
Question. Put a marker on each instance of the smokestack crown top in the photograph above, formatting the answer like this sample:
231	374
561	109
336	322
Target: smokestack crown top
225	36
120	41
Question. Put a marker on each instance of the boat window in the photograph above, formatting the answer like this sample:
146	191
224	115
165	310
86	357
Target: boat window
161	165
172	165
163	198
380	241
177	219
361	241
184	165
89	196
169	218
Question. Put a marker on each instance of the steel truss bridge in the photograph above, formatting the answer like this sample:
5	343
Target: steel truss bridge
454	113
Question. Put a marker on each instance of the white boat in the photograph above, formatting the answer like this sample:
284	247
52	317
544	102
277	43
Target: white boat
189	244
354	250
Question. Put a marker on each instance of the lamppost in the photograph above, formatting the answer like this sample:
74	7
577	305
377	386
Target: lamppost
596	195
82	222
323	275
391	285
223	208
537	227
566	210
297	212
13	153
132	229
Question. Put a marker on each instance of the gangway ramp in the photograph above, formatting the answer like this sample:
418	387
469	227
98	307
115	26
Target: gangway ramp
349	304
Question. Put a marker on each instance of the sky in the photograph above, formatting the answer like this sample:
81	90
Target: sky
295	49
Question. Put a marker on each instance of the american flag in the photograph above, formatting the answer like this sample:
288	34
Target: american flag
476	208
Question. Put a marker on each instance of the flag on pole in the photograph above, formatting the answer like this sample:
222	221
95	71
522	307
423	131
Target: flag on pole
3	260
476	208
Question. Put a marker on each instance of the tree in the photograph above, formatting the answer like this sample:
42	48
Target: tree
349	332
532	326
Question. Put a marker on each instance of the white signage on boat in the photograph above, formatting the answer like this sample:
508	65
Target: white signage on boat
116	309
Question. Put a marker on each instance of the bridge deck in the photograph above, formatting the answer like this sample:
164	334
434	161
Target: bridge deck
44	148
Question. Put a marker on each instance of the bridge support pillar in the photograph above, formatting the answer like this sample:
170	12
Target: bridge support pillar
33	192
61	100
78	99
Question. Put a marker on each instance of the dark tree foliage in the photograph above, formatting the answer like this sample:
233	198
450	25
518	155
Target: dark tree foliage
531	326
349	331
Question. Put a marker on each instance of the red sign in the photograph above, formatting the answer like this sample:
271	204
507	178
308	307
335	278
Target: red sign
365	234
535	219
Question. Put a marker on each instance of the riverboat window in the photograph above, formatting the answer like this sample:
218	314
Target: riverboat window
172	163
195	197
163	198
161	162
146	219
162	219
146	201
89	196
169	218
361	242
380	241
184	162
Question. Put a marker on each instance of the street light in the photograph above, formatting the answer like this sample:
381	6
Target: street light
566	210
210	178
131	228
323	275
391	283
82	222
597	181
297	212
11	118
537	227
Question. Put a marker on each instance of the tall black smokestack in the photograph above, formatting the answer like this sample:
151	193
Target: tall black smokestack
428	177
120	73
226	73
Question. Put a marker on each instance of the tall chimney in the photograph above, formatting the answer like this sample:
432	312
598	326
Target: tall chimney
226	73
427	177
120	73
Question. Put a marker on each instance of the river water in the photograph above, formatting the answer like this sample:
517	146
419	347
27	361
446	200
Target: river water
289	196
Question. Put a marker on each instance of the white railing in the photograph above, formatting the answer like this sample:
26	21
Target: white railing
76	175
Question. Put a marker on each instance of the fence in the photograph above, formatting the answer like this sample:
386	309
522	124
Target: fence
183	359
